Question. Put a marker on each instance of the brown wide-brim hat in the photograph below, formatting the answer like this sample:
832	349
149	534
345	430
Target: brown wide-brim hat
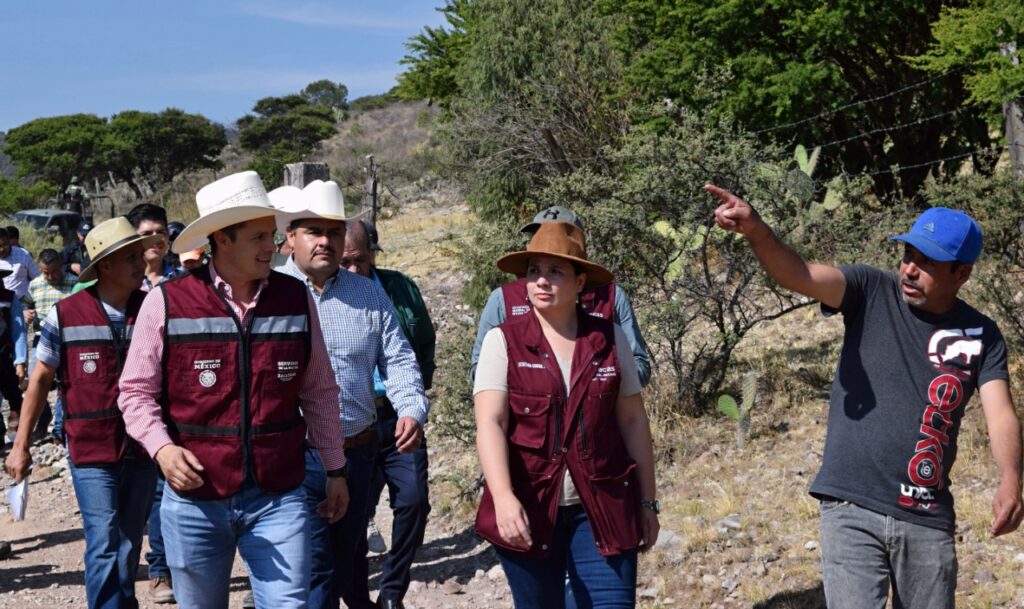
560	240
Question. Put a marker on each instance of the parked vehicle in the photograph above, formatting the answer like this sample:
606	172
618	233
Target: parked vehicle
56	220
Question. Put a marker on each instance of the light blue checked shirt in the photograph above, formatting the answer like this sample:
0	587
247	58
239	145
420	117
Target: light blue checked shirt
362	333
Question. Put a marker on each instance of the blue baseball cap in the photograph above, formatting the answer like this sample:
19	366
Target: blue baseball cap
944	235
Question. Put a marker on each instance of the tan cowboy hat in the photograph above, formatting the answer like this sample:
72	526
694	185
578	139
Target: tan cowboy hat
561	240
319	199
237	198
108	237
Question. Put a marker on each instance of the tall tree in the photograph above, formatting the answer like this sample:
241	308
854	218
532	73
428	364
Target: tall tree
283	130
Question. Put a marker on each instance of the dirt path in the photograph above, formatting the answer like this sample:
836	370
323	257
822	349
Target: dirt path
46	567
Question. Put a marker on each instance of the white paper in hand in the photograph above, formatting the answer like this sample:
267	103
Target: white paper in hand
18	496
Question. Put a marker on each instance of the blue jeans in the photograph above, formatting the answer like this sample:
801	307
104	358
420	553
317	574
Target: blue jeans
270	531
406	478
864	552
340	541
597	581
156	558
113	500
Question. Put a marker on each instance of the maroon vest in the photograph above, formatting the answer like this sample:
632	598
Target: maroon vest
91	358
231	392
549	432
599	301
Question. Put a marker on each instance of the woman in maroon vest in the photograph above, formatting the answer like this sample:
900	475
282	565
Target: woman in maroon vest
563	438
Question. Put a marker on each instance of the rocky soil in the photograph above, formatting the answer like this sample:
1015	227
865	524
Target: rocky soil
739	529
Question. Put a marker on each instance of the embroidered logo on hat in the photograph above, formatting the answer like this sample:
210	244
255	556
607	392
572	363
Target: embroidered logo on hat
930	227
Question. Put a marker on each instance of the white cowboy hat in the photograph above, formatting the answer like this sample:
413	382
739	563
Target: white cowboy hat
237	198
319	200
108	237
286	198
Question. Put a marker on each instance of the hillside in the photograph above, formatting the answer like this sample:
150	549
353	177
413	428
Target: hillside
739	529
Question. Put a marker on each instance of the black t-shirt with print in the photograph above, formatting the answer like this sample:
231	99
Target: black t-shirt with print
903	380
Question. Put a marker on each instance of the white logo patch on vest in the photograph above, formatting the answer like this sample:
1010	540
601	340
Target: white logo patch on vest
608	372
287	370
520	310
89	361
207	378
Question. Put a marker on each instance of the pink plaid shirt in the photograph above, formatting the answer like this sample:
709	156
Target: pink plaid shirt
141	380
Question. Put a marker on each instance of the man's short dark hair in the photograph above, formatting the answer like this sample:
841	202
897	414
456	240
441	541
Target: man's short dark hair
4	234
13	232
230	231
49	256
147	211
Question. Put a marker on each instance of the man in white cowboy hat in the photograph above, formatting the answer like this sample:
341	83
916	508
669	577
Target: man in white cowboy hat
363	334
227	367
85	339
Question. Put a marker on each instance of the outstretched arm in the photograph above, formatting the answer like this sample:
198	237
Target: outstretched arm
1004	436
821	282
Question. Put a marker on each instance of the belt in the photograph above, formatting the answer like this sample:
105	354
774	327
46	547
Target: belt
362	438
382	402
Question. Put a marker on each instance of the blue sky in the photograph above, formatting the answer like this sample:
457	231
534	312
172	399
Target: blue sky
213	57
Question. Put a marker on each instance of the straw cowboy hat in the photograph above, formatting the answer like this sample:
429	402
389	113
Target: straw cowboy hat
319	200
108	237
237	198
560	240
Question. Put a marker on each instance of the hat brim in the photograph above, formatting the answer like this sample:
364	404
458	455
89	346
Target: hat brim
517	263
926	247
285	219
197	233
89	272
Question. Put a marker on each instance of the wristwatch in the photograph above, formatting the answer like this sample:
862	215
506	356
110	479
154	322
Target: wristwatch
651	504
341	472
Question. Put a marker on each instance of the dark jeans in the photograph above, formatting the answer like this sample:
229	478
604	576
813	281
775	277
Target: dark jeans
406	479
9	388
864	552
335	558
155	558
597	581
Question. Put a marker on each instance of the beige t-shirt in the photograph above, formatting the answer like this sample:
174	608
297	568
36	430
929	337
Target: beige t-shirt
492	375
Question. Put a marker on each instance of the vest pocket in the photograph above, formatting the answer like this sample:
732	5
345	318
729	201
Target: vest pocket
528	425
95	440
617	503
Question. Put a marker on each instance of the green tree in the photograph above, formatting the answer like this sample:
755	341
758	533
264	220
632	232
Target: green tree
15	195
59	147
283	130
329	94
778	62
153	148
974	39
435	55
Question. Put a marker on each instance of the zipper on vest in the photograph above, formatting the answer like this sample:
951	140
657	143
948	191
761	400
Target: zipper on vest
246	427
556	443
245	371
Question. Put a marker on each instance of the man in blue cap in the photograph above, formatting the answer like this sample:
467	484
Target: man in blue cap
913	354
